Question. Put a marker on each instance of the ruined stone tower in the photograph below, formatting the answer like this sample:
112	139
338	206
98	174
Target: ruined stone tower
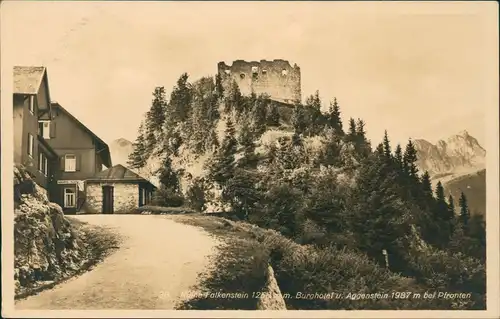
277	78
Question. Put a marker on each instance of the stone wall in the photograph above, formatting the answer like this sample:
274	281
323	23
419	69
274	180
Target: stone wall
278	79
126	197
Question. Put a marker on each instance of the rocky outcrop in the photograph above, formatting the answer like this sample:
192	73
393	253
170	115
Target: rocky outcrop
271	298
46	245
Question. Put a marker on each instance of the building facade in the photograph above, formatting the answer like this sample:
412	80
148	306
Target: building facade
81	154
31	103
277	78
117	190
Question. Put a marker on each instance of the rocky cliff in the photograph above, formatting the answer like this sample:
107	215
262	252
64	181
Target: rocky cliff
120	149
459	163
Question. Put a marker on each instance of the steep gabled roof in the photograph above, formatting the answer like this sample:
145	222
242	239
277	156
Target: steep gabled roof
27	79
103	147
117	173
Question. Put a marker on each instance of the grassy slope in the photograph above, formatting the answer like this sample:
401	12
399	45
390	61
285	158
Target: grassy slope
474	188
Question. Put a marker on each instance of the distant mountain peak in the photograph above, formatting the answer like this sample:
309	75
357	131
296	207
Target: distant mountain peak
458	153
464	133
120	150
122	142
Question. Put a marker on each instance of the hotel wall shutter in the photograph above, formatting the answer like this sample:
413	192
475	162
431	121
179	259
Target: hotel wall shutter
62	163
78	159
52	129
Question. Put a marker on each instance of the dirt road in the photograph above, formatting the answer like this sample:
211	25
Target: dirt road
158	261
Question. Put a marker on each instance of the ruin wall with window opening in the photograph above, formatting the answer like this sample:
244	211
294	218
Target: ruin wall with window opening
278	78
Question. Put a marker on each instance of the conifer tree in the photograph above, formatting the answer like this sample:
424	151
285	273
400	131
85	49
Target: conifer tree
222	167
451	208
464	210
155	118
334	119
426	185
398	156
440	199
234	99
168	177
219	89
387	146
180	100
410	159
352	129
139	155
245	139
259	114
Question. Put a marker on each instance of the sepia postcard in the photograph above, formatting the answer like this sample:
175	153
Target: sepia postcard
231	159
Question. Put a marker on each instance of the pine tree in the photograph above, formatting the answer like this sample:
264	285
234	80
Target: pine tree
426	185
219	89
222	168
180	100
352	129
139	155
259	114
440	197
464	210
451	208
334	119
245	139
387	146
234	99
410	159
316	101
168	177
155	118
398	156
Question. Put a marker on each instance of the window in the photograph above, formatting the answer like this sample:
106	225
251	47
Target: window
284	72
242	75
40	162
264	71
227	72
70	163
44	129
69	197
255	69
32	104
31	145
43	163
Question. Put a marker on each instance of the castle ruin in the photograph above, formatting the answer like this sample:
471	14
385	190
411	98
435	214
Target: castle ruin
277	78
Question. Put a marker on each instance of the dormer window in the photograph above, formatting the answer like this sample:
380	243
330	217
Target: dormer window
44	129
32	104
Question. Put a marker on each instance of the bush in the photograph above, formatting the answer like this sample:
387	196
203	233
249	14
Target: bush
307	269
167	197
197	194
451	272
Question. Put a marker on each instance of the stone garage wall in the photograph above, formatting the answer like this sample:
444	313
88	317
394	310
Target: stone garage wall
126	197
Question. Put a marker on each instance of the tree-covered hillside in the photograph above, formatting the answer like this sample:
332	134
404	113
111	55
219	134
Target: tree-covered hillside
314	179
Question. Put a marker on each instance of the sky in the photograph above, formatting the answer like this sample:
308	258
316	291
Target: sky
416	70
